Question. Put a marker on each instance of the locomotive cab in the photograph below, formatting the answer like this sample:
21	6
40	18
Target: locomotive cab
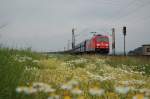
101	44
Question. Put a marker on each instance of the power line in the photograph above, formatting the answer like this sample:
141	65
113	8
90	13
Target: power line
133	11
109	2
86	35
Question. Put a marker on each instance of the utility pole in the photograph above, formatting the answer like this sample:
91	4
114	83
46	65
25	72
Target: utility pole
2	26
73	38
68	44
64	48
113	41
124	33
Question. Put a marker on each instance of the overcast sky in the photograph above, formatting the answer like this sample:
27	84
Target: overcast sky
45	25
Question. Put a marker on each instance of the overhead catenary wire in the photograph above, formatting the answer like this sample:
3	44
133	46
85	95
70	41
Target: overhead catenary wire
108	2
130	9
82	35
131	12
129	4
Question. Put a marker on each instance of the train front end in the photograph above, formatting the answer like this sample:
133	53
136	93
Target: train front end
102	44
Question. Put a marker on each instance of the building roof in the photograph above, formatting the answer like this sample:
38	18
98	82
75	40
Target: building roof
146	45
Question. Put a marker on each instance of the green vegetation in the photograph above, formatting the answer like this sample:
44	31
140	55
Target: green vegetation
12	70
29	75
140	63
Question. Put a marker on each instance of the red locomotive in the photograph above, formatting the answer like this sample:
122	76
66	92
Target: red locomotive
97	44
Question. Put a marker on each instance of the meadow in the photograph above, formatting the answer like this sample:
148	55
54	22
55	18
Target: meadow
29	75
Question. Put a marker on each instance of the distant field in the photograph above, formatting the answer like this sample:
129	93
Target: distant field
29	75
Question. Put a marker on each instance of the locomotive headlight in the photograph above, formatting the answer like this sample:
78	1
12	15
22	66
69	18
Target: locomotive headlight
106	44
97	44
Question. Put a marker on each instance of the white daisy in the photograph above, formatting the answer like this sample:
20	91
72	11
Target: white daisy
54	97
73	82
20	89
96	91
76	91
30	90
139	96
66	87
41	86
49	90
122	90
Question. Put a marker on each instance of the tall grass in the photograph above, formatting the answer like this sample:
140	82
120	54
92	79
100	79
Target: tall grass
137	63
11	71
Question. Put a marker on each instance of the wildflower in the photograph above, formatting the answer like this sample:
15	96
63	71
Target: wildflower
122	90
54	97
26	90
139	82
112	95
66	87
35	61
96	91
132	82
20	89
144	90
49	90
29	68
80	97
30	90
21	60
76	91
133	89
139	96
41	86
147	93
125	82
27	58
67	97
73	82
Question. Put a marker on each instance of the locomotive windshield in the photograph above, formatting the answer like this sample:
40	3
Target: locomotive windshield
102	39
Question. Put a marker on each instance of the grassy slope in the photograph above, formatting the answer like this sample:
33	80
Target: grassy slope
89	71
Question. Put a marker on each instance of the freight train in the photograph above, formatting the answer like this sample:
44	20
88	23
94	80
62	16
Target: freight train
97	44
